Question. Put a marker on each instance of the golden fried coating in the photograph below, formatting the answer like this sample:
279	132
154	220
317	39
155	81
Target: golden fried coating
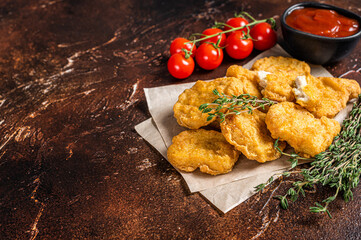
207	150
324	96
352	86
249	134
289	66
186	109
277	87
276	76
241	72
308	135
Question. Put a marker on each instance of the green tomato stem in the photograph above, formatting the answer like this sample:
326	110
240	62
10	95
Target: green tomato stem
248	15
228	31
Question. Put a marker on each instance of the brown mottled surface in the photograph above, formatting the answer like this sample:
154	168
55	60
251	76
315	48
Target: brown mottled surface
71	91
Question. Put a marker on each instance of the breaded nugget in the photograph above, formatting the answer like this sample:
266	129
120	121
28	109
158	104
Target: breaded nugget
308	135
276	76
207	150
277	87
186	110
241	72
352	87
289	66
249	134
324	96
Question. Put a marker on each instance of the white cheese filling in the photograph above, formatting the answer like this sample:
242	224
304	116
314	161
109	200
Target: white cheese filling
262	78
300	95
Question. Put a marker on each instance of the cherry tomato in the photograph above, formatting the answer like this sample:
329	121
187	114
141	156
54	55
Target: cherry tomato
264	36
237	47
179	43
236	22
180	67
211	31
208	57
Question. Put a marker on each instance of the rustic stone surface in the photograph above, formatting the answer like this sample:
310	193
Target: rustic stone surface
71	91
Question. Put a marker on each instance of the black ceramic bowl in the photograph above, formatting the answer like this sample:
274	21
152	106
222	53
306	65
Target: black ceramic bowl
318	49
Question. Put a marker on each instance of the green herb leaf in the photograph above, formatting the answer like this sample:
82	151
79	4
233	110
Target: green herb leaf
338	167
226	105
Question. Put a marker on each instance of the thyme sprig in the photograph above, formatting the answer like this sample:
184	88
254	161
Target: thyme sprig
294	157
226	105
338	167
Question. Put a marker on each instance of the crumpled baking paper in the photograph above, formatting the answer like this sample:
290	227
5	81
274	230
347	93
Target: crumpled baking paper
223	191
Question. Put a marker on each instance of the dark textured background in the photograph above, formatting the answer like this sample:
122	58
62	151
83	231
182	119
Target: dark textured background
72	75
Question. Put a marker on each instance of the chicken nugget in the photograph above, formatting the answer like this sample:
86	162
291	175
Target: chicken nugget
276	76
289	66
207	150
308	135
277	87
324	96
249	134
352	87
241	72
186	110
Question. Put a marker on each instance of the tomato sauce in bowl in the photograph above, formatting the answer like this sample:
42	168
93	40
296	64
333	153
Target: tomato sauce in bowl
322	22
305	38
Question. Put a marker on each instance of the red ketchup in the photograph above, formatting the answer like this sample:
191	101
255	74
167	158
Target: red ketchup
323	22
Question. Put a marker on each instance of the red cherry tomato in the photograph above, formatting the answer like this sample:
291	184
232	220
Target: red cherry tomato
208	57
264	36
237	47
179	43
180	67
211	31
236	22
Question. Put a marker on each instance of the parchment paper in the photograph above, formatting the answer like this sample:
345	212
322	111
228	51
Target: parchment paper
224	191
224	197
160	103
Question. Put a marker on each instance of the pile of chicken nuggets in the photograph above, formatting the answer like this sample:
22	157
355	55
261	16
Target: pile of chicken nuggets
302	118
